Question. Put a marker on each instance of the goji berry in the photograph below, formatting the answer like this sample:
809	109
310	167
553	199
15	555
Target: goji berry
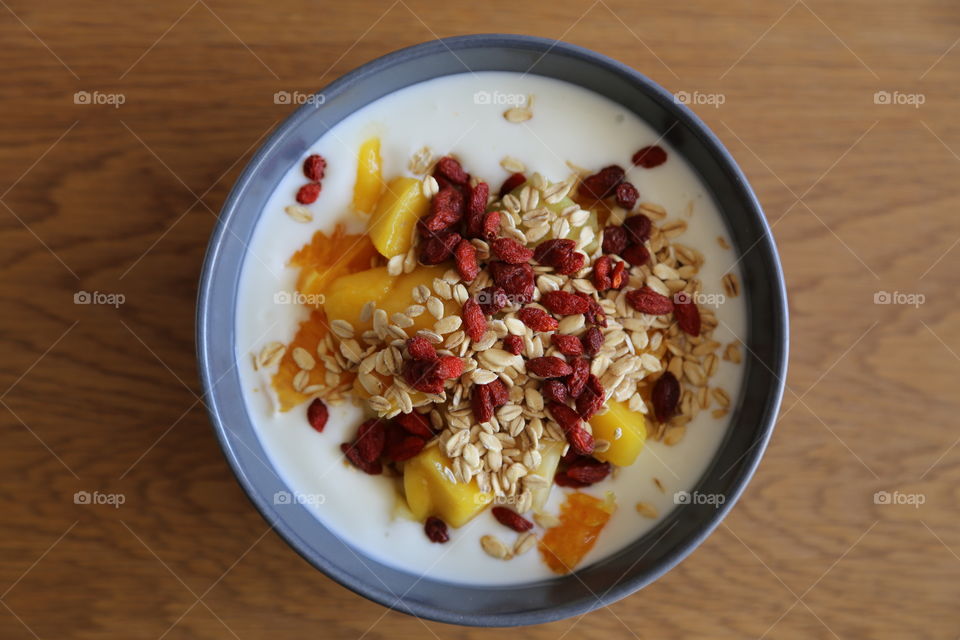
499	394
646	300
548	367
438	247
422	375
314	167
592	341
308	193
580	440
602	183
592	399
420	348
511	183
416	424
570	263
636	255
614	239
491	225
567	345
515	279
665	396
650	157
601	273
687	314
554	391
317	414
577	379
436	530
492	300
465	256
449	367
511	519
368	445
481	403
618	279
638	227
537	319
404	448
446	209
451	169
627	195
595	314
513	344
584	471
510	251
474	324
476	208
549	252
372	467
564	303
564	416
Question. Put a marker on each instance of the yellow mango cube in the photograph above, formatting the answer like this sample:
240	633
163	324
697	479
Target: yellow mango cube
369	184
432	490
392	225
347	294
625	430
401	296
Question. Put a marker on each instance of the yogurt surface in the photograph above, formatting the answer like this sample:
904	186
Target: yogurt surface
462	115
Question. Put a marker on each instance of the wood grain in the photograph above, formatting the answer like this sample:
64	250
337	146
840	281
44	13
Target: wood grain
122	200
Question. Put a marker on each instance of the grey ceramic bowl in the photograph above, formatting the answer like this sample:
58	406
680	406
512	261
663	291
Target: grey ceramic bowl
647	558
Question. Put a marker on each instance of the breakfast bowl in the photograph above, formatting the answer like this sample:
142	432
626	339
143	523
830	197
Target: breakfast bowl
693	348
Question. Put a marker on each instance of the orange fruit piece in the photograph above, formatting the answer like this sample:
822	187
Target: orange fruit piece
582	517
326	258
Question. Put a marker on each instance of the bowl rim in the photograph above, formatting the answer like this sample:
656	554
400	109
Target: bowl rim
766	244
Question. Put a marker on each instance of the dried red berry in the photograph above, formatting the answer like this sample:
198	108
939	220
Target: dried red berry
492	300
416	424
516	279
537	319
564	416
650	157
638	227
449	367
665	396
512	519
450	169
577	380
548	367
446	209
482	403
592	341
564	303
368	445
437	248
476	208
618	279
601	273
436	530
422	375
511	183
549	252
627	195
402	446
570	263
513	344
602	183
595	314
585	471
372	467
592	399
308	193
314	167
554	391
420	348
465	256
499	394
636	255
317	414
491	225
687	314
566	344
614	240
510	251
580	441
474	323
646	300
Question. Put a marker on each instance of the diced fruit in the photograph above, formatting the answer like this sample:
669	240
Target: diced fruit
432	490
347	295
396	215
401	296
327	258
366	191
625	430
582	518
308	336
550	453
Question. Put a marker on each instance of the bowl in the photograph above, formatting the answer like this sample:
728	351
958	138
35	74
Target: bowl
648	557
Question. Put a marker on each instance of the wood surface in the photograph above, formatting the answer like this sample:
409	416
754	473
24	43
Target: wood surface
122	200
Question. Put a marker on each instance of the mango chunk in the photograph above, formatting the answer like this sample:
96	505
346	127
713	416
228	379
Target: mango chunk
326	258
432	490
625	430
369	184
550	453
308	336
347	294
401	296
392	225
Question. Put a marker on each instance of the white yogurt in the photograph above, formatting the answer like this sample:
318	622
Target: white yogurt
451	115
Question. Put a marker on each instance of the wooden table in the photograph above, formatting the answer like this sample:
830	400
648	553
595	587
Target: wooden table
120	199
